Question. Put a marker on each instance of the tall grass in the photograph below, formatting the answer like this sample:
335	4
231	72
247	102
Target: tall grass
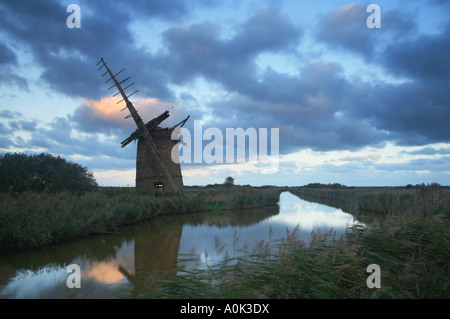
39	219
381	200
36	219
411	247
412	253
238	197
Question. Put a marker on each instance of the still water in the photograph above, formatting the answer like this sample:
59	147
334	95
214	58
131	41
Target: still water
118	265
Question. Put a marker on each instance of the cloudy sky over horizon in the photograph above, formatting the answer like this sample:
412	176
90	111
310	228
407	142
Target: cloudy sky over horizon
354	105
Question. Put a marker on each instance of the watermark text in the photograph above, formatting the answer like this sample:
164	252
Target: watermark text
255	151
374	19
74	279
374	280
74	19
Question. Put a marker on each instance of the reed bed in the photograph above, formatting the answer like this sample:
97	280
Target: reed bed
411	247
428	198
412	252
39	219
239	197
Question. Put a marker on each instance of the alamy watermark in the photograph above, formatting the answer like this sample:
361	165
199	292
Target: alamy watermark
374	19
213	152
374	280
74	19
74	279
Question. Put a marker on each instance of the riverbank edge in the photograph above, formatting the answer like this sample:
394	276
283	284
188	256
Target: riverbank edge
39	220
428	199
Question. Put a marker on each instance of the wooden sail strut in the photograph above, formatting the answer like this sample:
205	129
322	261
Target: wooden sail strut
144	132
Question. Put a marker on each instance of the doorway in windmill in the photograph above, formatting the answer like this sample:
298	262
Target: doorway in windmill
158	185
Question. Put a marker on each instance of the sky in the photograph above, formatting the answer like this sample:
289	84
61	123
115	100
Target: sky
353	105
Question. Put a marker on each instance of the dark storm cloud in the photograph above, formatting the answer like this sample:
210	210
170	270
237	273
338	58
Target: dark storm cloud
68	56
441	2
5	142
11	79
413	112
268	29
8	59
346	29
4	130
7	114
198	50
7	56
316	111
65	54
423	58
29	126
301	106
172	10
320	107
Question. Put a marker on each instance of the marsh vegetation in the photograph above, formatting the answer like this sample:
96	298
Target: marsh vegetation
410	245
32	219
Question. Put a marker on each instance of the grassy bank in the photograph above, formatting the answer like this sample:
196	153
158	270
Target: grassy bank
428	199
235	197
39	219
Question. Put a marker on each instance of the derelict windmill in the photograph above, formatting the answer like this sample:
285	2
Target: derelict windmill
154	165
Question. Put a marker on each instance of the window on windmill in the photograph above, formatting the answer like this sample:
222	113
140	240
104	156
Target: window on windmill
158	185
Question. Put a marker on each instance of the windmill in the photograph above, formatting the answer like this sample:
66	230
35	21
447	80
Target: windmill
155	167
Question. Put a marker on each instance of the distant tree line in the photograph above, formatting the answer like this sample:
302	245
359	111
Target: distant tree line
43	172
423	185
319	185
340	186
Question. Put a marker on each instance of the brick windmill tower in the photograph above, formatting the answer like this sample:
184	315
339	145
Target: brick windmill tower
155	167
